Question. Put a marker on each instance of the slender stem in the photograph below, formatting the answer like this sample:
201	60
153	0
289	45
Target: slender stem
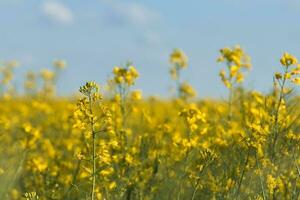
230	101
74	179
178	81
94	148
295	163
230	97
122	93
185	166
94	167
195	190
260	178
16	174
281	96
242	176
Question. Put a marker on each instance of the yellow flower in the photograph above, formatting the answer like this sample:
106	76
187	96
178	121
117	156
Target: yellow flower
112	185
39	164
47	74
233	70
14	194
239	77
287	75
133	72
229	184
278	75
187	91
89	88
288	59
236	60
125	75
179	58
296	70
136	95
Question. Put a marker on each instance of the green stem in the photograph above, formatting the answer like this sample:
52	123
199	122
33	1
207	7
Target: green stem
93	149
16	174
242	176
260	178
276	131
195	190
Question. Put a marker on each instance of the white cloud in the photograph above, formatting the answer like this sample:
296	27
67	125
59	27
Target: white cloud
57	12
138	14
130	13
135	17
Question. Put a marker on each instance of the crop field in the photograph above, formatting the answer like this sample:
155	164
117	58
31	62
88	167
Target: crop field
109	142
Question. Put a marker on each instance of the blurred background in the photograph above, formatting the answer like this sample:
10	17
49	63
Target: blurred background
95	35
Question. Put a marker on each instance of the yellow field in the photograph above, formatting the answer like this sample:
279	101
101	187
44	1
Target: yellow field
122	146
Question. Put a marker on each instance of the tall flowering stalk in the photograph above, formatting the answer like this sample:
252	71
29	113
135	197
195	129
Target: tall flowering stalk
291	70
91	92
124	78
235	60
179	61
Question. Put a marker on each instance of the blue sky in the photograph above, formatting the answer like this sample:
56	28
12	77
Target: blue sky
95	35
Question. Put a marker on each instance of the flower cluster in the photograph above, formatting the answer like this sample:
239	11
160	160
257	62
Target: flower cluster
125	75
192	116
291	70
178	58
236	60
179	61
